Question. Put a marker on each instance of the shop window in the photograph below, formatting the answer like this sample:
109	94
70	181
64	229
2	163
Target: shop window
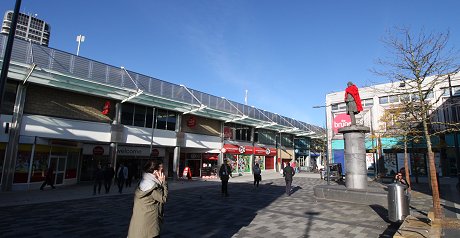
368	102
261	161
286	140
139	116
383	100
9	98
59	151
72	163
161	119
229	133
21	171
243	133
244	163
171	121
149	118
265	137
302	143
40	163
127	114
232	161
394	99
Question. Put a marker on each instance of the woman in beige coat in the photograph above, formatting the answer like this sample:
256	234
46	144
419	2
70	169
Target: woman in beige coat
149	199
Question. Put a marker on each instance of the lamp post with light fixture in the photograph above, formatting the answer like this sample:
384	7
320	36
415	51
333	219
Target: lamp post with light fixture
327	143
80	39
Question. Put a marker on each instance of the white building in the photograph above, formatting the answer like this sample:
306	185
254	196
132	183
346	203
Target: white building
375	100
29	27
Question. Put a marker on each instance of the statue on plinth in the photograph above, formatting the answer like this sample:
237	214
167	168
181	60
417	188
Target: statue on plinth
353	101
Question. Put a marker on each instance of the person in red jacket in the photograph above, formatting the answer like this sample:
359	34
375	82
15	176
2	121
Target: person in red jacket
353	101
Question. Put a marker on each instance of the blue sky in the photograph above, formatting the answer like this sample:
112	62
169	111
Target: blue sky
287	54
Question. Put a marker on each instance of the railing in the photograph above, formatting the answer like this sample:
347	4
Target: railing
50	59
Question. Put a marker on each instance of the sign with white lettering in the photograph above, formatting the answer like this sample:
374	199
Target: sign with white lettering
340	121
140	151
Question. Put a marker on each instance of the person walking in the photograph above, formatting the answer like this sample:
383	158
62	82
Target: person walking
225	172
49	178
149	199
108	177
257	175
129	179
98	178
288	173
122	175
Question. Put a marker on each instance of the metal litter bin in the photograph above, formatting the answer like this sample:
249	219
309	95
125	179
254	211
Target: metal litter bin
398	202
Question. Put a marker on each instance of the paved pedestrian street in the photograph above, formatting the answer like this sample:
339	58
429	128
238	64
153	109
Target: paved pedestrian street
202	212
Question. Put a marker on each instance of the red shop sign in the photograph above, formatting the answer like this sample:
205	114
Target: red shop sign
155	153
264	151
98	150
237	149
191	122
340	120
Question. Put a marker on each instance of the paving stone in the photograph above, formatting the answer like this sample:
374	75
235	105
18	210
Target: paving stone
202	212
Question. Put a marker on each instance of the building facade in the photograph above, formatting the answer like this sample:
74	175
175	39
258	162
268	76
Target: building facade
74	113
29	27
387	153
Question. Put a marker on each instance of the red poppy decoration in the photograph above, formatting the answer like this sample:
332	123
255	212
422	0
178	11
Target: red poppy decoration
106	108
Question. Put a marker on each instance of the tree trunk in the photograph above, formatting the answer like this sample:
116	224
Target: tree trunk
433	177
406	164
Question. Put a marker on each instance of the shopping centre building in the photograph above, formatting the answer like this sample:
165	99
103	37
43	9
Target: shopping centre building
386	151
75	113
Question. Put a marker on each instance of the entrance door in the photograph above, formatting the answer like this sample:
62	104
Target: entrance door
59	162
195	167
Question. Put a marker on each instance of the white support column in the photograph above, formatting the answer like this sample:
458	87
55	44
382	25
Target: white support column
176	158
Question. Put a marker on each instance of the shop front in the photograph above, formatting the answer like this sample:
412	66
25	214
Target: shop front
93	155
202	165
135	157
265	157
209	167
286	156
239	157
35	156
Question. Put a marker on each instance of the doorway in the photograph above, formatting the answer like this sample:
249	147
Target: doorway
195	167
59	163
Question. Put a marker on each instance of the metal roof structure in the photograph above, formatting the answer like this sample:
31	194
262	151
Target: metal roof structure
58	69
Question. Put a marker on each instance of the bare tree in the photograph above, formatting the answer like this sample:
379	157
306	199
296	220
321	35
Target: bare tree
420	63
398	122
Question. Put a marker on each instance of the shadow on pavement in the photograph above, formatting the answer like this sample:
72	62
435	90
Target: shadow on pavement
219	216
383	213
295	189
310	216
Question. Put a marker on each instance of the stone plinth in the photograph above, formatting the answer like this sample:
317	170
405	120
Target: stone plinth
372	195
355	156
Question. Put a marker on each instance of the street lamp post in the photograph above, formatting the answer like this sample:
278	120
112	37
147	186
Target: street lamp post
8	166
327	143
80	39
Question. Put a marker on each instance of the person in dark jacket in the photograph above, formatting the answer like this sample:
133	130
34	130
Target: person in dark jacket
98	178
49	179
225	172
108	177
122	175
257	175
288	173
